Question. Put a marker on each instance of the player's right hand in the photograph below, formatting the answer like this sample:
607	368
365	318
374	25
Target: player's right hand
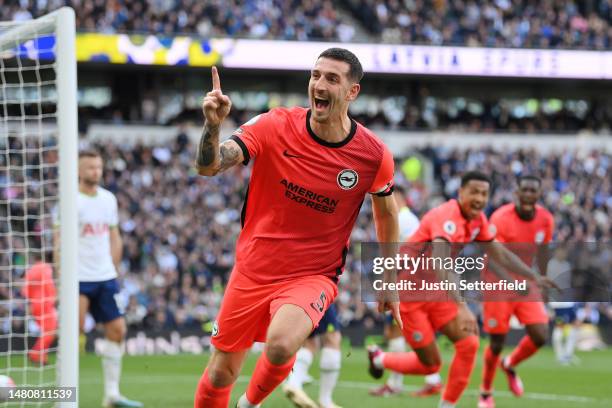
216	106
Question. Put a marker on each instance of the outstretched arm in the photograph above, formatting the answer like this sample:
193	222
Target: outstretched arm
212	158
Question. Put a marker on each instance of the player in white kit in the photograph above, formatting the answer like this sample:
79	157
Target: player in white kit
100	250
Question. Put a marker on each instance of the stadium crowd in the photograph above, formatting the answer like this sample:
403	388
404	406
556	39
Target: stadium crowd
490	23
179	229
420	113
273	19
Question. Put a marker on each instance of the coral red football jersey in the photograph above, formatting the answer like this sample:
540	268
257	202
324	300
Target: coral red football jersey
304	194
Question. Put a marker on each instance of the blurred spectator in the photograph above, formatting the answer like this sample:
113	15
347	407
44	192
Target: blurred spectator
272	19
180	229
489	23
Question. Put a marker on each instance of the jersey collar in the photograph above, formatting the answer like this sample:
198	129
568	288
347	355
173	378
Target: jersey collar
535	210
460	211
326	143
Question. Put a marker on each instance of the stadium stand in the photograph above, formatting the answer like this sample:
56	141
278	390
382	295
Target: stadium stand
255	19
490	23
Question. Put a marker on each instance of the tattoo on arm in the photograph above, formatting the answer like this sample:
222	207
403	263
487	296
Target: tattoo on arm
209	143
230	155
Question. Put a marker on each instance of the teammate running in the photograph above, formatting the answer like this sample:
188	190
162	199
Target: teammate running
527	223
456	221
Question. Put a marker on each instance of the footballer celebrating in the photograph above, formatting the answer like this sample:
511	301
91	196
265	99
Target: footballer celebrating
523	222
312	169
456	221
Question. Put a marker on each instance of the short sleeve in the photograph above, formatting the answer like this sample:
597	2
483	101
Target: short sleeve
440	227
486	233
383	182
114	215
252	136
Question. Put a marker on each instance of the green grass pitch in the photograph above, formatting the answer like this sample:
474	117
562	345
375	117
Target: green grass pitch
169	382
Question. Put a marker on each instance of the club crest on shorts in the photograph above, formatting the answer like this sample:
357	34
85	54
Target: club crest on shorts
215	329
347	179
539	237
492	323
417	336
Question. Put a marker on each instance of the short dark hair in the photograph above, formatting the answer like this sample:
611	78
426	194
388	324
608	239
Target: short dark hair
529	177
89	153
341	54
474	175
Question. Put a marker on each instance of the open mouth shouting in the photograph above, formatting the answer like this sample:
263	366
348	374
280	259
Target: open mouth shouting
321	104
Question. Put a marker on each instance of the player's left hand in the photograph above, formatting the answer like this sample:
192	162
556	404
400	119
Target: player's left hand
393	307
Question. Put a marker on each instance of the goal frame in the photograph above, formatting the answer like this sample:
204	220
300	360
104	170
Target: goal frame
61	23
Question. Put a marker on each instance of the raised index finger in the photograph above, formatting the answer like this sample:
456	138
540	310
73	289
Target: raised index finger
215	79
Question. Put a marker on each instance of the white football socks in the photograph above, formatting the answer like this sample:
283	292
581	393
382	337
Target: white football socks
330	369
243	402
557	341
433	379
303	360
570	343
112	352
396	380
446	404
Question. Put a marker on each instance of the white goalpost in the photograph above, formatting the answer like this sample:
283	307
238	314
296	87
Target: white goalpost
38	186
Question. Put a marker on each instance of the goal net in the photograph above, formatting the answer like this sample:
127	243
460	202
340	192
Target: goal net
38	185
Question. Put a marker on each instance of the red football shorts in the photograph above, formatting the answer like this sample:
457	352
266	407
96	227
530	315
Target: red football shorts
497	315
248	307
423	319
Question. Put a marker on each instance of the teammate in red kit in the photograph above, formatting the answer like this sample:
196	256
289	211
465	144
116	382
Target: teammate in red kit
312	169
40	291
456	221
525	222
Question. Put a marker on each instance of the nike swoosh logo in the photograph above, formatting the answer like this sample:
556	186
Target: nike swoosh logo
287	154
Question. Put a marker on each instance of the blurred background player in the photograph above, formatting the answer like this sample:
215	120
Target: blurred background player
565	317
527	223
330	338
39	290
100	249
408	224
295	234
565	331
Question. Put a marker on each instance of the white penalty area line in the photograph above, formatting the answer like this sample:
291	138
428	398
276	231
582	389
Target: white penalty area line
148	379
504	394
